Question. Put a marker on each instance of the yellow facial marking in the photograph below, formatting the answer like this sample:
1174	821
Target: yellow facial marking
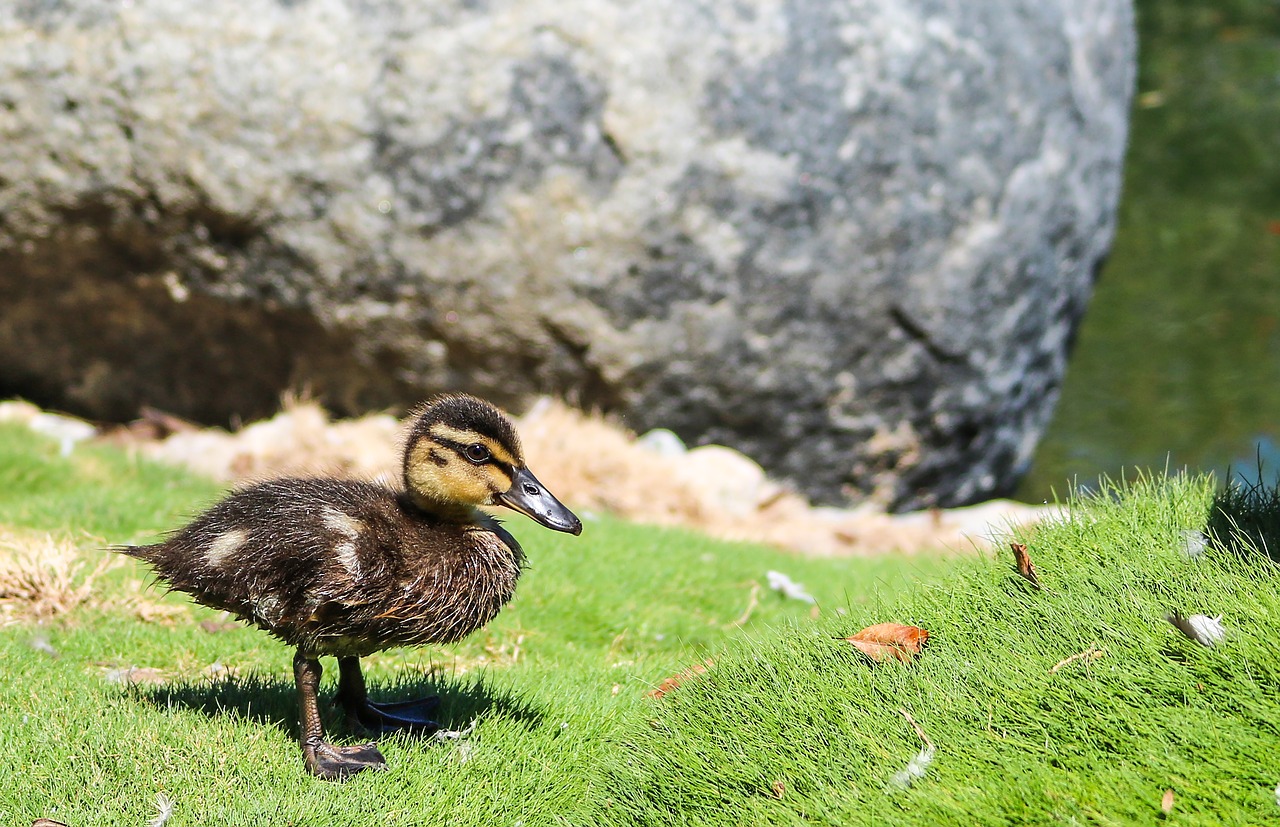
499	453
466	437
225	545
439	474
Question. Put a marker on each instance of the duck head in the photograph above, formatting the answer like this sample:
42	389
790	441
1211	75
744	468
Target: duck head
463	452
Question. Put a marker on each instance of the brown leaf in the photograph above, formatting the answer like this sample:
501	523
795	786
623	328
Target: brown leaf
779	789
47	822
1166	803
675	680
1022	560
889	640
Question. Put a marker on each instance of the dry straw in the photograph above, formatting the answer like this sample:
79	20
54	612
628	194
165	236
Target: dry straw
41	576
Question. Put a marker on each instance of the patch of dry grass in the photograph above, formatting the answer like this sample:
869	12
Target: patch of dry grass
42	575
592	463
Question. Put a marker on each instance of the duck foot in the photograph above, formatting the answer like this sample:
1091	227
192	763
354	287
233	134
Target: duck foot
416	716
333	763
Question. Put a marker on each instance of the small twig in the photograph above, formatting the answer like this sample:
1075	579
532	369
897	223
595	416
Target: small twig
919	729
774	496
752	602
1092	653
917	766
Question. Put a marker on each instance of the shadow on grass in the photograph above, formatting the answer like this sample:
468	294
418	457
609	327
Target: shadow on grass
1245	519
274	701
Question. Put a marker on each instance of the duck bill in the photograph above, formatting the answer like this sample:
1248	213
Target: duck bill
532	499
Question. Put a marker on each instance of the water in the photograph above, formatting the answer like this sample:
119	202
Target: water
1178	359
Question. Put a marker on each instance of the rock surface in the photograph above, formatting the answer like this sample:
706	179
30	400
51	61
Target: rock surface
852	240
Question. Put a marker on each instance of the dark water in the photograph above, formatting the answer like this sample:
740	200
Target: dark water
1178	360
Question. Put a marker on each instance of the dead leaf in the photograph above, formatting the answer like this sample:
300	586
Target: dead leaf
889	640
1166	802
779	789
1022	560
675	680
47	822
1151	100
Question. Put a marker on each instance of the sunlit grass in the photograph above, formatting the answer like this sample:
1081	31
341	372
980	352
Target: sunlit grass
1076	703
598	621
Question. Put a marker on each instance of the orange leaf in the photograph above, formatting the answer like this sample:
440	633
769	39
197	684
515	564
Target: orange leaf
1026	568
675	680
889	640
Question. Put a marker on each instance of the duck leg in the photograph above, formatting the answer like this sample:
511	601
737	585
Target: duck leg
400	716
330	762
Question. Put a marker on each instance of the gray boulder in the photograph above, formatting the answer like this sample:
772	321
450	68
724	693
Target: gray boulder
850	239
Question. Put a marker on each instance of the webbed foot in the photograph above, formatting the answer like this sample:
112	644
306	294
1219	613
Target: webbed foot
334	763
415	716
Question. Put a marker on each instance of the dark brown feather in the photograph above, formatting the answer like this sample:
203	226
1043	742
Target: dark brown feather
341	567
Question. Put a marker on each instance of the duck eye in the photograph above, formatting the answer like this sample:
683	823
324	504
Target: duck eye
477	453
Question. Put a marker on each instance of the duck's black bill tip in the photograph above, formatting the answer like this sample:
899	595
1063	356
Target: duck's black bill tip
529	497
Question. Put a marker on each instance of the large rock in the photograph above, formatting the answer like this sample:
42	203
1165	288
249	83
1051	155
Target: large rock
851	239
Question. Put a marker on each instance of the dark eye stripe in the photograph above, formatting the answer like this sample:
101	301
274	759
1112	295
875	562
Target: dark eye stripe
460	449
456	447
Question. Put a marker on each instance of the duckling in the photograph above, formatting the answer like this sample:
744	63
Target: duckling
347	568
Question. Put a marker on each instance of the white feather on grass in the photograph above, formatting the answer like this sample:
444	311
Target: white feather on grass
779	582
165	806
914	770
463	748
1205	630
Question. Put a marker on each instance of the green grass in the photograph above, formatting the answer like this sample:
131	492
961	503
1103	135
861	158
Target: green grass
622	606
789	726
1097	742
